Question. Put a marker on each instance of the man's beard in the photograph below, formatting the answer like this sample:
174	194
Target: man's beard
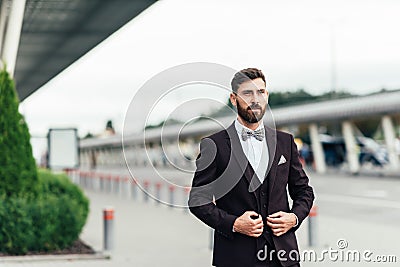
247	114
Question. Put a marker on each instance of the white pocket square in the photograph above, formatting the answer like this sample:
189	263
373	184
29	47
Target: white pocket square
282	160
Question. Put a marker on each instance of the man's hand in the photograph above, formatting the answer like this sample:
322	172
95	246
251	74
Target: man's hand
250	223
281	222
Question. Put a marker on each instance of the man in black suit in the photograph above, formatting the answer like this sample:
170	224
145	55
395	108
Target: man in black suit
239	187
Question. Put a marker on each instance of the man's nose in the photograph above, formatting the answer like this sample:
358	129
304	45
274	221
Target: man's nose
252	101
255	99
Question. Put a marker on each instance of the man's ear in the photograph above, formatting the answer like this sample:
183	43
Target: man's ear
232	97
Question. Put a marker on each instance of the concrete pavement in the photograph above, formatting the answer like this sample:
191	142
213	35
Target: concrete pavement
362	211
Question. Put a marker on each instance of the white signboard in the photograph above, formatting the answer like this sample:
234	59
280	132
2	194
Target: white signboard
63	148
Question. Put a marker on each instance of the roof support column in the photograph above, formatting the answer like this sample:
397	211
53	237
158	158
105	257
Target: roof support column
390	139
352	149
3	17
318	152
12	34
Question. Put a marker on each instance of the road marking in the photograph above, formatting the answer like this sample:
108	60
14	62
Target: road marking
359	200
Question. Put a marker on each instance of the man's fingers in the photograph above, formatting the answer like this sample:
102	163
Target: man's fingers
276	214
279	234
259	225
255	235
278	223
257	231
278	231
274	225
258	220
275	220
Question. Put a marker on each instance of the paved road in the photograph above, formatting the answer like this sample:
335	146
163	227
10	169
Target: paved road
363	211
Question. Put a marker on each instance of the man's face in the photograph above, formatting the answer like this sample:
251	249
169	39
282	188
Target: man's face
251	100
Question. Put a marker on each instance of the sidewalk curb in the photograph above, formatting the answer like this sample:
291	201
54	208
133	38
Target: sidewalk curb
41	258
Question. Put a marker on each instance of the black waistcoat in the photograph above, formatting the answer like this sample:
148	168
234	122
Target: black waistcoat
262	197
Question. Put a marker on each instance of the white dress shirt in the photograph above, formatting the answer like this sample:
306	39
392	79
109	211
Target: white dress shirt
256	151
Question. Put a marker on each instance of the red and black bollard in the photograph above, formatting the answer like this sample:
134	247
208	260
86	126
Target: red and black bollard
108	219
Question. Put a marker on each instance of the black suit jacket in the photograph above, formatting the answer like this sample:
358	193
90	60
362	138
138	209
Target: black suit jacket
223	189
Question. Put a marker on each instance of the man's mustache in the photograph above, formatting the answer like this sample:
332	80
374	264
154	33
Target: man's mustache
255	106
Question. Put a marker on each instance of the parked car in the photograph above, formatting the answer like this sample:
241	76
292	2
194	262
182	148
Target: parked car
371	151
335	151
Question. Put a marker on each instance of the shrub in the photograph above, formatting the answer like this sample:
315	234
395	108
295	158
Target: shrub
36	213
16	233
53	220
18	175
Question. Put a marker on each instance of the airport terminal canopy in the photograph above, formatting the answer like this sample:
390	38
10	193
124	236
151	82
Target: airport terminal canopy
55	33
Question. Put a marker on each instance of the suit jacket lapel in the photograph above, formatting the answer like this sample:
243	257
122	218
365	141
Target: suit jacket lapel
270	135
273	157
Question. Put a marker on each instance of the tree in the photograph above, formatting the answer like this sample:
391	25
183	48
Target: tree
18	174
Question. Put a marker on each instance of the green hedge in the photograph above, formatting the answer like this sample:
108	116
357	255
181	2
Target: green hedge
18	176
38	211
52	220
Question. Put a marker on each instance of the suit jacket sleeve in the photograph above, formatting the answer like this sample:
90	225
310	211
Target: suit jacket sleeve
201	195
299	189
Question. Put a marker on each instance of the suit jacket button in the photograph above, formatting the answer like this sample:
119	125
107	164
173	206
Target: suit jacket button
262	193
265	205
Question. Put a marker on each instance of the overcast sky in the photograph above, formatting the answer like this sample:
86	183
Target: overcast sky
293	42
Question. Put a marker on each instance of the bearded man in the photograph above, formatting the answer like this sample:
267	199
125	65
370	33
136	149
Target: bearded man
241	182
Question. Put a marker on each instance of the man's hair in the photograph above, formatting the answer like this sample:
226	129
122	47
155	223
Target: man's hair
244	76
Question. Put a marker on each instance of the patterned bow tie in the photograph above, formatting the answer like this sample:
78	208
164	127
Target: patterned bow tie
258	134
